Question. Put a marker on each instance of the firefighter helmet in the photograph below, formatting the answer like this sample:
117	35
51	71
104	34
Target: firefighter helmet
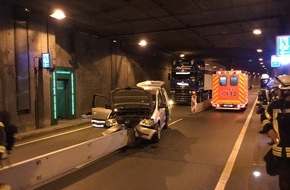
265	78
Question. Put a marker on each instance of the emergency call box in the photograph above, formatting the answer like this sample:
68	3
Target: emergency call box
45	60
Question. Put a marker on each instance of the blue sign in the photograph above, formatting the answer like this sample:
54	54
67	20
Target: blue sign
45	60
275	64
283	45
275	61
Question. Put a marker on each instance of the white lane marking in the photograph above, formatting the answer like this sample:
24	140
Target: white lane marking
175	121
48	137
231	160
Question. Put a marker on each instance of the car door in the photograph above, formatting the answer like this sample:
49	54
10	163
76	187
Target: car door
161	108
168	106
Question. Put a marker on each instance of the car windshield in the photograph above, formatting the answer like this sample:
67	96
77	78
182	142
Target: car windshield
130	96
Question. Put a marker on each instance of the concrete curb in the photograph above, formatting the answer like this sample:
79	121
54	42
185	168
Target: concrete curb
64	124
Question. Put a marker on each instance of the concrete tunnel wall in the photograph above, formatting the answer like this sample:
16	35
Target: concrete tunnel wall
99	66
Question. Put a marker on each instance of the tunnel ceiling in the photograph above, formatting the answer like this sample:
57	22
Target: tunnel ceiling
219	29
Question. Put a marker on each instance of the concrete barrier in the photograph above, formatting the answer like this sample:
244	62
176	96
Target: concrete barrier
37	171
198	107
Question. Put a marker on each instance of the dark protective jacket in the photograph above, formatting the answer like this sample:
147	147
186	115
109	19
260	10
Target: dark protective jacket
278	118
2	138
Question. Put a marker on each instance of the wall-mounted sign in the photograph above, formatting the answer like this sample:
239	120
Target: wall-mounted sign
283	45
275	61
45	60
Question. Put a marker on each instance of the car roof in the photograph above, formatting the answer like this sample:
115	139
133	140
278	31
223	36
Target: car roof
151	84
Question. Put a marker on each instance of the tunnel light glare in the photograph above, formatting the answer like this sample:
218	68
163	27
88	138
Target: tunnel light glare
259	50
58	14
256	173
260	59
142	43
181	55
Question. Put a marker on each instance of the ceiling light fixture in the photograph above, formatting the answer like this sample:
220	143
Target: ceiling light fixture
259	50
58	14
142	43
260	59
257	32
181	55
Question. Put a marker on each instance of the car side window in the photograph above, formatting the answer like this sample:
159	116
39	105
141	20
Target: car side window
159	99
153	99
164	100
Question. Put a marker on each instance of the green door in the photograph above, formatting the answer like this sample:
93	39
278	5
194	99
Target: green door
62	99
62	95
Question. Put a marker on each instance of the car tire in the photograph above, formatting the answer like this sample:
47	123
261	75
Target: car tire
157	136
166	120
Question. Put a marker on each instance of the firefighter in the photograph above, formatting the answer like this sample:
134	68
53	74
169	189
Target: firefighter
277	127
10	130
264	98
272	93
2	141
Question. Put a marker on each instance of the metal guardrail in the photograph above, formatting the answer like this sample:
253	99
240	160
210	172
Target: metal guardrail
40	170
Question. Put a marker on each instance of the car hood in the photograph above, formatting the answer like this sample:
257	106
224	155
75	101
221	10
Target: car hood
130	97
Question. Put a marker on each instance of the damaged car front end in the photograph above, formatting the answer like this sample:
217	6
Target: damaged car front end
131	109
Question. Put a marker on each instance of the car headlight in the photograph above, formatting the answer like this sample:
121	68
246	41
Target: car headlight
111	122
170	102
147	122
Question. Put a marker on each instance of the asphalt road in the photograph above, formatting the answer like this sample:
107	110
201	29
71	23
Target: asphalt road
193	154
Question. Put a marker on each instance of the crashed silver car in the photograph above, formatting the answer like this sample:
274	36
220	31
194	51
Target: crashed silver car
129	108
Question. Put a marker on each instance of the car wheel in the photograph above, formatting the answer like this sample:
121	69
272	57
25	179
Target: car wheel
166	121
156	137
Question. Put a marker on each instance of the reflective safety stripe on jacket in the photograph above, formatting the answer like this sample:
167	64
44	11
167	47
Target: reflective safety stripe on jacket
277	150
2	149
